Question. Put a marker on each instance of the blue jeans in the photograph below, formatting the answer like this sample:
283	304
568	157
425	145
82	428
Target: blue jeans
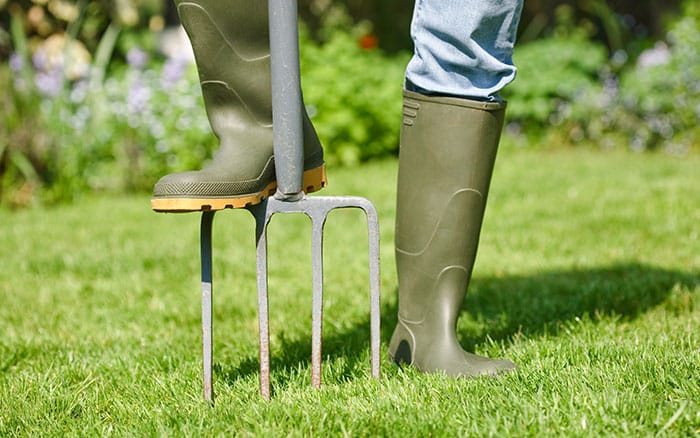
463	48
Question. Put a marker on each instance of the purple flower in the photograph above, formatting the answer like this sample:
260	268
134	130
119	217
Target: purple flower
16	63
40	60
136	58
173	71
138	97
49	83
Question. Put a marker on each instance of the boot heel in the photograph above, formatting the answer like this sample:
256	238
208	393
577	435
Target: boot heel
401	345
315	179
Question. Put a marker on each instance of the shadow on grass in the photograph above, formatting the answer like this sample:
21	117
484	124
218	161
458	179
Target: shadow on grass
540	303
499	308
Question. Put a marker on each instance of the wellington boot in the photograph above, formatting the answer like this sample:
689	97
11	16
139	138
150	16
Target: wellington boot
232	51
448	149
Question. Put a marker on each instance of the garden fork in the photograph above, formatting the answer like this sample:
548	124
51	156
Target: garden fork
289	198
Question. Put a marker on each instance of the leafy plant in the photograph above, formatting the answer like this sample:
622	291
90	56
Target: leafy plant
651	104
662	100
353	95
553	74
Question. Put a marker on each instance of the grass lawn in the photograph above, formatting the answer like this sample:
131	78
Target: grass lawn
588	277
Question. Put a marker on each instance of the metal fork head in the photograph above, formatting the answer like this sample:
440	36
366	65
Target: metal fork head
317	209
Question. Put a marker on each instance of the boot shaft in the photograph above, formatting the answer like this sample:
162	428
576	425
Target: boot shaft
230	41
242	23
448	149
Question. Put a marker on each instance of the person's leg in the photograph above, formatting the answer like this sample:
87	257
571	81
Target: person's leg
231	47
447	152
463	48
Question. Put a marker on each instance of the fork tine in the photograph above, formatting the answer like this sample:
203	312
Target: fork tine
207	289
317	299
374	284
261	220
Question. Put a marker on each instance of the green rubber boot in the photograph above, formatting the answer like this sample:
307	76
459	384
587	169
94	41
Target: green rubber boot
448	149
232	50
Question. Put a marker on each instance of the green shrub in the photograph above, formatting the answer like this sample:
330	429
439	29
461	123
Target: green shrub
553	74
653	103
353	96
662	101
569	92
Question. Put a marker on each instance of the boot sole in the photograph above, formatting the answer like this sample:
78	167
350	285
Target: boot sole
313	180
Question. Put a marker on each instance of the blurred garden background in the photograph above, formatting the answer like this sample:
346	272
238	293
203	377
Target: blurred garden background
102	95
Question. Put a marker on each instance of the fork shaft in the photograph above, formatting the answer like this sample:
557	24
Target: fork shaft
286	97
